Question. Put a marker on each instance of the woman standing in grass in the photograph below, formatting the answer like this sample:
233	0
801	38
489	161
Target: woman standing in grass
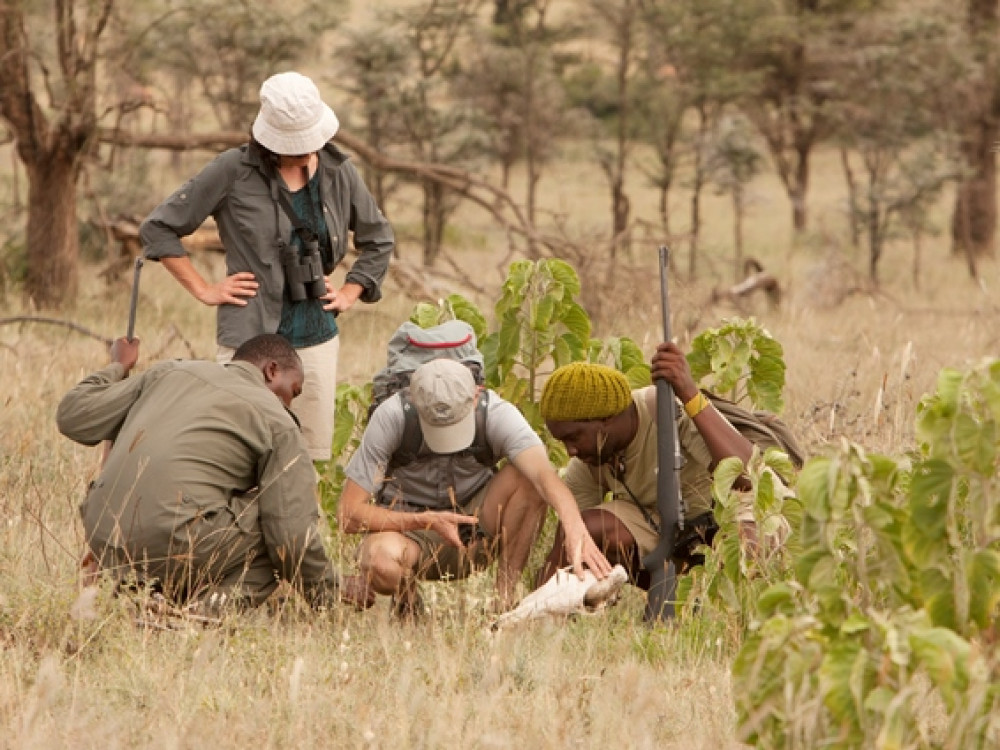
284	204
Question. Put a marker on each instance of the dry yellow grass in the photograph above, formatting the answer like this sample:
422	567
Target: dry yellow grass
347	679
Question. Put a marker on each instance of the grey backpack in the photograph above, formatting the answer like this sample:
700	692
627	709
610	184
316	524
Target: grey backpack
411	346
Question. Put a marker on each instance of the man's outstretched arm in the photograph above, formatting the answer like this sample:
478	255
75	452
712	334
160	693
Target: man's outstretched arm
581	549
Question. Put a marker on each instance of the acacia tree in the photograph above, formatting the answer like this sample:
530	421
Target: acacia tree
660	106
620	20
434	124
52	112
703	41
974	218
796	49
733	160
518	93
893	99
373	65
228	48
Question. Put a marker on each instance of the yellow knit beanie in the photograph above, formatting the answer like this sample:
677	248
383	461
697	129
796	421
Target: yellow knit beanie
582	390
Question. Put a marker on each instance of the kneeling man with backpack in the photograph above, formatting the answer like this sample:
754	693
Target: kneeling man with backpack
424	488
610	433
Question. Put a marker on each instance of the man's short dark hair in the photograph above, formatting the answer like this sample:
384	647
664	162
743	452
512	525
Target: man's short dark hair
267	347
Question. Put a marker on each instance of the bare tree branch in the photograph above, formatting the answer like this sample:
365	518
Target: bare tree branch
57	322
494	200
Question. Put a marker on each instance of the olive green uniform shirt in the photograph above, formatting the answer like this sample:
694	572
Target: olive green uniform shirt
189	437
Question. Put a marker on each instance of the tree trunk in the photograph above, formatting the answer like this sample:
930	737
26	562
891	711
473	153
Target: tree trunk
852	197
620	205
620	209
435	218
800	190
738	233
53	237
664	207
974	218
698	182
52	139
874	237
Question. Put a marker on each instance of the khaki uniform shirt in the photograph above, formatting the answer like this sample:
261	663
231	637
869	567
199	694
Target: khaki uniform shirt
189	435
590	485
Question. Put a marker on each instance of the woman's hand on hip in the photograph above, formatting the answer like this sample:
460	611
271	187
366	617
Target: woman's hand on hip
338	300
232	290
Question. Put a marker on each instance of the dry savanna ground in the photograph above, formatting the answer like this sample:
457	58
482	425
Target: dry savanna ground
78	672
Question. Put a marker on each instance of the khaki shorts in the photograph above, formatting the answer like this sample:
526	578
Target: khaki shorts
632	517
439	560
315	406
647	537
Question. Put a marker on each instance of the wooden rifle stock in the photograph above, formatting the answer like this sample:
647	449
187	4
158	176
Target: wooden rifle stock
663	577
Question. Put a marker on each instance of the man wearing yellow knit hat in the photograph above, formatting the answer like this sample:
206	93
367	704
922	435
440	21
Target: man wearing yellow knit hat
610	434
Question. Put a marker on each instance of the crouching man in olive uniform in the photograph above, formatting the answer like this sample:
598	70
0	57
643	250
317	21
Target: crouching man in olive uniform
208	488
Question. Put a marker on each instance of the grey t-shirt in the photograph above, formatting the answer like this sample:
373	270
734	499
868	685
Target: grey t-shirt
423	483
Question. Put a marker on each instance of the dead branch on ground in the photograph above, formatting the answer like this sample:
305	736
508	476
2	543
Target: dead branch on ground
759	281
57	322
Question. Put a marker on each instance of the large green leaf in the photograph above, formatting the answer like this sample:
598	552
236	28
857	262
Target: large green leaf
638	376
463	309
631	355
574	346
542	313
564	273
728	470
767	375
489	346
508	346
949	388
982	574
577	322
976	443
945	657
813	488
843	675
779	598
925	536
937	590
699	358
344	419
562	354
426	315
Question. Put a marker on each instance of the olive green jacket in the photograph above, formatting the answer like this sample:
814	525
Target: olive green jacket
233	190
189	436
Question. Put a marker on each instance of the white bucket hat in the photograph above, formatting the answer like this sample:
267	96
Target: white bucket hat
444	394
293	119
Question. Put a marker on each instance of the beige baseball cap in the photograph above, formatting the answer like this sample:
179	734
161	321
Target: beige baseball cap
443	392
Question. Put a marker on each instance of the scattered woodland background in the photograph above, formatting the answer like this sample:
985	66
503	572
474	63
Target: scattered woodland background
827	167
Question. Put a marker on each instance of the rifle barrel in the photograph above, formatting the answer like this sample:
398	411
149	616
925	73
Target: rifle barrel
663	579
134	301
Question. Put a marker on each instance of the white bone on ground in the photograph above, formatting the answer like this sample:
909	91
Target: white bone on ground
564	594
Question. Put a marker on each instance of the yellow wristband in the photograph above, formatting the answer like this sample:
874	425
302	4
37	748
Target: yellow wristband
696	405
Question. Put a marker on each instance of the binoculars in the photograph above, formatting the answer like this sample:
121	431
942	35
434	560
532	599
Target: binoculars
303	273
